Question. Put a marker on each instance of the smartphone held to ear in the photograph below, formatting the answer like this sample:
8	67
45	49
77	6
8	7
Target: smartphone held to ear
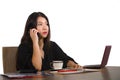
39	36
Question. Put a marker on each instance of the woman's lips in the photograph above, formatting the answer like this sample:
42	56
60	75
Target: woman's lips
44	32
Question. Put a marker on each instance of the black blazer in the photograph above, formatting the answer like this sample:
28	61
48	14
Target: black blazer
24	57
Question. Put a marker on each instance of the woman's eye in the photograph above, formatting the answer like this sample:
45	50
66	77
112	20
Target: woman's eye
39	24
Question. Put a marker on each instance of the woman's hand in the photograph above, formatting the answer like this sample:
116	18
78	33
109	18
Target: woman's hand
33	35
77	66
73	65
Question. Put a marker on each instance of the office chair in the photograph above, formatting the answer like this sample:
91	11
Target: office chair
9	59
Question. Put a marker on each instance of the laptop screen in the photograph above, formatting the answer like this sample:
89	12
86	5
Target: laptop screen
106	55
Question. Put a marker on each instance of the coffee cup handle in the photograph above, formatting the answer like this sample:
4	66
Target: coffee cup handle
51	65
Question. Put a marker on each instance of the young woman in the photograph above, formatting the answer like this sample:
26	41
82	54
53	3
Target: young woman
36	51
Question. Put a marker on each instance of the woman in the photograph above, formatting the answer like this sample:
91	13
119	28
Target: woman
36	51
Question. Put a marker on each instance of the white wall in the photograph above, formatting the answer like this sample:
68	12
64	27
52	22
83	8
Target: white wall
82	28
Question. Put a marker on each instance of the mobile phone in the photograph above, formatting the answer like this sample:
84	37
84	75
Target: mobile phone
39	36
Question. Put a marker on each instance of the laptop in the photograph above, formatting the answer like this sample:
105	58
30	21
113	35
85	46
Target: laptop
104	59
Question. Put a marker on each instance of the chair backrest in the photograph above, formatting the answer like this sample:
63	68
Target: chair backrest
9	59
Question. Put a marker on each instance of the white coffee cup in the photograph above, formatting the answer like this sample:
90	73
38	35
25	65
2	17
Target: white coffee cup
57	64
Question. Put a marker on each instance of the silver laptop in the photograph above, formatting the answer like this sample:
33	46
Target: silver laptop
104	59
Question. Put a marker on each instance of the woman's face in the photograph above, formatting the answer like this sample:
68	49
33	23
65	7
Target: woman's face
42	26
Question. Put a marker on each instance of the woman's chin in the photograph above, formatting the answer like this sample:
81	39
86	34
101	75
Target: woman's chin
44	36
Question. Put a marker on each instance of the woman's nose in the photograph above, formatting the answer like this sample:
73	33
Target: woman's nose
45	27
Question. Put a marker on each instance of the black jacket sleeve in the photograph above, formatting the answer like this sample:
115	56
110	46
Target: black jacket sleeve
24	58
60	55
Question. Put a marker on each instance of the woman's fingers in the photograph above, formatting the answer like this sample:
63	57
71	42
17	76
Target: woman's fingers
33	30
77	66
33	34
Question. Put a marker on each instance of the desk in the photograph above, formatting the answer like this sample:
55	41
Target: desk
108	73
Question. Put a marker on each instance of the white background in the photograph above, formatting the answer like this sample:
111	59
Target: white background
81	28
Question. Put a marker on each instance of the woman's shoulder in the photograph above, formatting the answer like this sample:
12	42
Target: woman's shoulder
53	43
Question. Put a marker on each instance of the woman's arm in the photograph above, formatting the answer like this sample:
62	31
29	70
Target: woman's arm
60	55
37	57
26	58
37	49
